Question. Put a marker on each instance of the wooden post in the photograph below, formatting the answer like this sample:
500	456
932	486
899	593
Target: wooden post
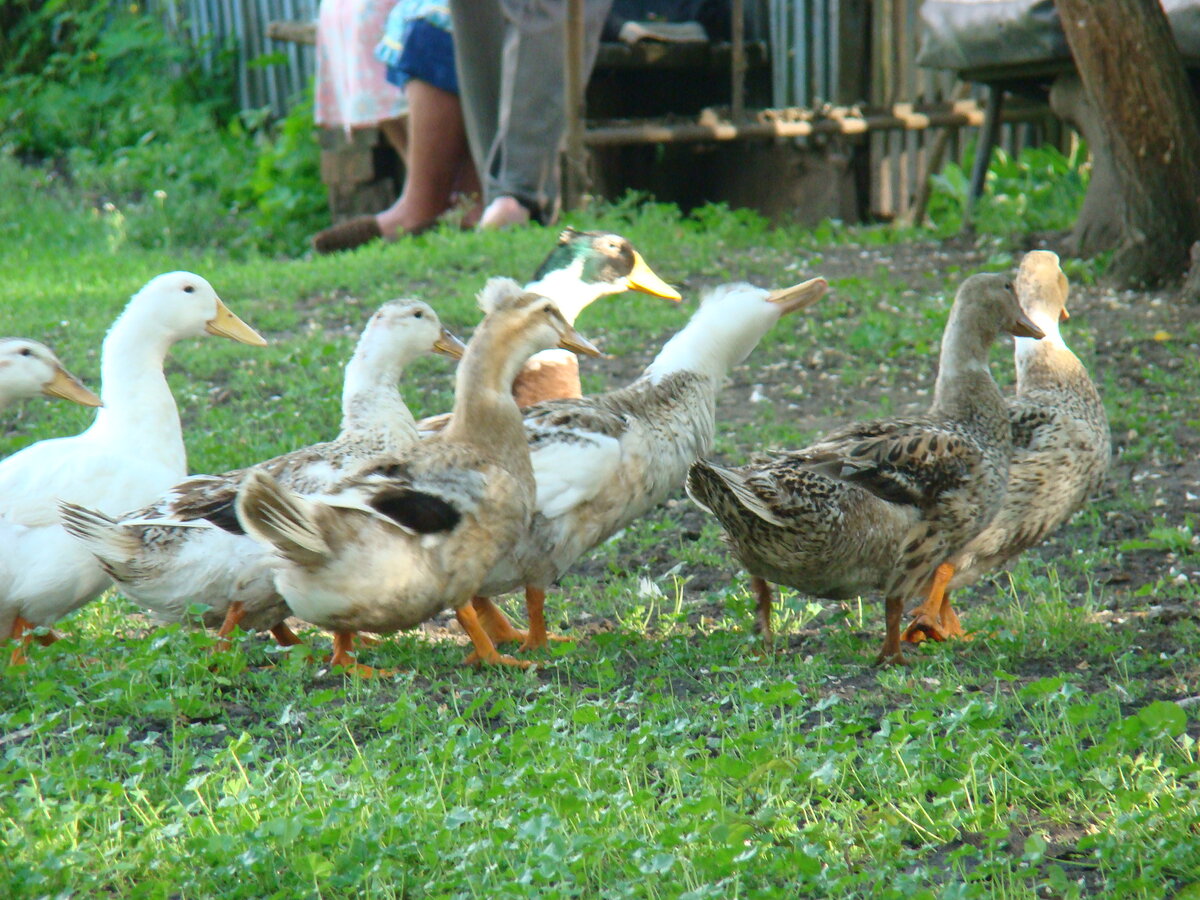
738	36
577	178
1134	76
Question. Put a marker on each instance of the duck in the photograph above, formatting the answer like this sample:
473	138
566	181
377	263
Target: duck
405	538
28	368
132	452
187	547
880	505
602	462
1062	449
582	267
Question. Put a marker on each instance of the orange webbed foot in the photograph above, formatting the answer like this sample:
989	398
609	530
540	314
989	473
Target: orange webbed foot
343	642
485	651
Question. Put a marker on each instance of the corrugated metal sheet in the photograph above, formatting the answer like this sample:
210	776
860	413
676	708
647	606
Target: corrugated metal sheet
241	25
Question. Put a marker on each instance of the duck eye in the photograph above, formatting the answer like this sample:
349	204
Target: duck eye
1008	286
189	289
418	315
25	351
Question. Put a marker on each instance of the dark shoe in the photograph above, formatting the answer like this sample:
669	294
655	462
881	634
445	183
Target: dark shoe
347	235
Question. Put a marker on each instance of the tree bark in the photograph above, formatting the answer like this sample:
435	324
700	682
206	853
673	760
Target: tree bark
1134	75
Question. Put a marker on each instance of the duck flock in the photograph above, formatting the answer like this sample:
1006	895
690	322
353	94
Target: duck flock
395	520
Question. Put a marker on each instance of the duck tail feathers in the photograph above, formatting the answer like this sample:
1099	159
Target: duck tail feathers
115	547
274	515
715	488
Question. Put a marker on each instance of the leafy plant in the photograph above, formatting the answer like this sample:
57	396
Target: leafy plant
1038	190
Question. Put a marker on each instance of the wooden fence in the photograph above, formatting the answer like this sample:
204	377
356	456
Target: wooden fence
845	53
269	73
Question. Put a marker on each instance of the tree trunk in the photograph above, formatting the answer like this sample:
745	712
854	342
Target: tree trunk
1134	75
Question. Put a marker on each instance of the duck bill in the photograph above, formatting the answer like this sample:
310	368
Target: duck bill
225	324
1063	315
643	279
67	386
1026	327
575	342
448	345
799	296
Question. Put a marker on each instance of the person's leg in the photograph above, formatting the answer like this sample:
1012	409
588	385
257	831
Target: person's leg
437	149
479	42
395	131
522	163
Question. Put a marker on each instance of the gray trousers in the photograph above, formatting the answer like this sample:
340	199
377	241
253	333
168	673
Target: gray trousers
510	59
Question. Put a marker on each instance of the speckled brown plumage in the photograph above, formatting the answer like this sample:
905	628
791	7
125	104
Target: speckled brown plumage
879	505
1061	447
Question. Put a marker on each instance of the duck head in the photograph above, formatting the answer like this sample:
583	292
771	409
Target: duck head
730	322
185	305
587	265
28	368
1042	290
406	329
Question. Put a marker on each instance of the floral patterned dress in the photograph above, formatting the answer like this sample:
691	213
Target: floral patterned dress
352	88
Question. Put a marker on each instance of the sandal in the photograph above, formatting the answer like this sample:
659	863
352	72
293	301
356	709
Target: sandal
347	235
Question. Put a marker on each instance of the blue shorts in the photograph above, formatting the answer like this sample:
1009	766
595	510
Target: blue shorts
428	54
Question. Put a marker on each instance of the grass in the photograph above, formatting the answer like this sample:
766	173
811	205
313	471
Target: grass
660	756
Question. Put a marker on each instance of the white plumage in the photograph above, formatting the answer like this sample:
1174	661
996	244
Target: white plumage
131	453
187	548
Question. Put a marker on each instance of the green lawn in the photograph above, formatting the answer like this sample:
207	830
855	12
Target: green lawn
660	755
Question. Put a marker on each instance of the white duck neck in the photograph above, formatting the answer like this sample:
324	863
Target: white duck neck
371	400
715	340
138	405
572	296
1026	348
568	291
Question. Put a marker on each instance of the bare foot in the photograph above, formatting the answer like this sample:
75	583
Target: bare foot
503	212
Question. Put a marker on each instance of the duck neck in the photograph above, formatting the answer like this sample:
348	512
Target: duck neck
138	403
964	384
1047	362
554	374
371	402
704	347
569	292
485	413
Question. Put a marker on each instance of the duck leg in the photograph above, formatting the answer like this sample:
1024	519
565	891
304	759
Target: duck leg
935	619
890	654
485	651
493	620
22	633
233	615
285	636
343	643
535	605
764	598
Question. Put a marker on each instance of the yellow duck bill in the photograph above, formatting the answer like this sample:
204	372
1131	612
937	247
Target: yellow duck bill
226	324
575	342
68	387
799	296
448	345
643	279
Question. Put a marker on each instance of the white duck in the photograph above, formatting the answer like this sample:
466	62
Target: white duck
187	546
28	368
402	540
132	452
602	462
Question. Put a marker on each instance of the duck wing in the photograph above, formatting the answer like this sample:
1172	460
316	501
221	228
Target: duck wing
575	449
907	461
